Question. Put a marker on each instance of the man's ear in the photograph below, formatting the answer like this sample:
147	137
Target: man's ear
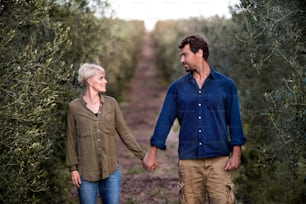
200	53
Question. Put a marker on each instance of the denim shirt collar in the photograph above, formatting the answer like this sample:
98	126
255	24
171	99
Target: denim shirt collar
212	74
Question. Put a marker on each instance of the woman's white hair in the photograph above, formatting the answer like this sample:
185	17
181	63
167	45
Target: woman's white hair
87	70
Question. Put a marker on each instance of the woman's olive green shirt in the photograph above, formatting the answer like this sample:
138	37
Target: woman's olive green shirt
91	140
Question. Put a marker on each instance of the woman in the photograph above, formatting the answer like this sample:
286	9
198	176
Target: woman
93	122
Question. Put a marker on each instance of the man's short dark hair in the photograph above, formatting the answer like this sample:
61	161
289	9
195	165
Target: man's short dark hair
195	42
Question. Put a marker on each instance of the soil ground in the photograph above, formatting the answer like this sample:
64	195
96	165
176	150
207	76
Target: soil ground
143	100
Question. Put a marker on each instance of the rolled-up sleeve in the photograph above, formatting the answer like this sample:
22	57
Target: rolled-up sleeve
165	120
234	118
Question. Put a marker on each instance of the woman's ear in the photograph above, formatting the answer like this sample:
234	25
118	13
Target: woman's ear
89	82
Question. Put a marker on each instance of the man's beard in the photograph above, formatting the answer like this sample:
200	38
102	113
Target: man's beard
190	70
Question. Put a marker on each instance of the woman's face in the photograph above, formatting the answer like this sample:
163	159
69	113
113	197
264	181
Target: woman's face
98	82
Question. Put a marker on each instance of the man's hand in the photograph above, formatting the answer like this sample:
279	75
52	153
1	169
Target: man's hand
234	161
150	161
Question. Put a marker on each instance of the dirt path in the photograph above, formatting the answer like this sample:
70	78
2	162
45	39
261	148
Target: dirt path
144	100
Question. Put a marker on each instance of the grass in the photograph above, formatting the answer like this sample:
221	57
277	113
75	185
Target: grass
135	170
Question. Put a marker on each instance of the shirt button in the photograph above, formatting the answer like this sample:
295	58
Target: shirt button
200	104
200	117
200	143
200	130
200	91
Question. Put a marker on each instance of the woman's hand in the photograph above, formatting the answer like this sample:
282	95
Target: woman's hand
75	178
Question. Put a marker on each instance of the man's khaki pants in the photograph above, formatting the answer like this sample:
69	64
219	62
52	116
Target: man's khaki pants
205	175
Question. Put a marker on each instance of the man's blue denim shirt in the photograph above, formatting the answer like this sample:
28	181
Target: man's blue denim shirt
209	117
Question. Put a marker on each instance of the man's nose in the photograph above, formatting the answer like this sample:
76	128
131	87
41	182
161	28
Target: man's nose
182	59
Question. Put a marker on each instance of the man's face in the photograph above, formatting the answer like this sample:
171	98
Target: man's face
188	58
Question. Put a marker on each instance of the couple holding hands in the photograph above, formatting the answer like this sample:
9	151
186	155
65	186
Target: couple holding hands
204	101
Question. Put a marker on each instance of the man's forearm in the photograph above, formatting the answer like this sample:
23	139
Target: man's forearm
153	151
236	151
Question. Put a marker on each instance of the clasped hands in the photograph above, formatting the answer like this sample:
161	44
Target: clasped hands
149	162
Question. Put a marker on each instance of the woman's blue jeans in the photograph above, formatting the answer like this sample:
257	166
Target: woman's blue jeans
108	188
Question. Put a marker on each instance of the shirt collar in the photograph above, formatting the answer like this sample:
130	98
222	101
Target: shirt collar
83	102
212	74
102	98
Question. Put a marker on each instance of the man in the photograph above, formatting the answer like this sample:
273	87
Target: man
206	105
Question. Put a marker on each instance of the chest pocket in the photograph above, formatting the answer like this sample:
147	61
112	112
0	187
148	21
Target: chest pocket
84	125
108	120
